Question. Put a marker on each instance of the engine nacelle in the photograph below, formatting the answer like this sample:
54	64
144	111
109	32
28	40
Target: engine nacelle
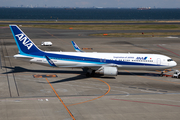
109	71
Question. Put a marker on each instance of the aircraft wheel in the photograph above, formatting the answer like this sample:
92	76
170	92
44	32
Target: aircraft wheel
88	74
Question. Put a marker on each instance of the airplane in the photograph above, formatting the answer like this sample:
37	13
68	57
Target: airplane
107	64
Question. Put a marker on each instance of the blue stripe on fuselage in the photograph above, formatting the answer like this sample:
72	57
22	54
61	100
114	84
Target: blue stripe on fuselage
84	59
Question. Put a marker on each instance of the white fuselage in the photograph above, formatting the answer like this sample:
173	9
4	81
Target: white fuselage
130	61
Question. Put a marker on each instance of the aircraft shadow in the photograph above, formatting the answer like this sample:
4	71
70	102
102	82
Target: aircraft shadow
139	73
21	69
81	74
78	77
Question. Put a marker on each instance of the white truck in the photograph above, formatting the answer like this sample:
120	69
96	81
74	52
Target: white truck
46	43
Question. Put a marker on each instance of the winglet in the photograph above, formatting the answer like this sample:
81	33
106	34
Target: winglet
51	63
76	47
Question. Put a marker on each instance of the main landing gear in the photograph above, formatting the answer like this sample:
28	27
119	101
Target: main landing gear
89	72
162	73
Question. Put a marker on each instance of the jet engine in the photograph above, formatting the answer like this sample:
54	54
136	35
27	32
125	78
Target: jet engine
109	71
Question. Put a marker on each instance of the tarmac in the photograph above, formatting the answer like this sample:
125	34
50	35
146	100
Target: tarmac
34	92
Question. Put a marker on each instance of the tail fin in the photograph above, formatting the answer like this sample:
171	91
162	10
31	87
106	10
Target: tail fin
25	45
76	47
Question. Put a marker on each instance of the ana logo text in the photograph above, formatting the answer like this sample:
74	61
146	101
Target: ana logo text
141	58
24	41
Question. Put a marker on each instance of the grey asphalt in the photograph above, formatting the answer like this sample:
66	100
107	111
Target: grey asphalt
132	95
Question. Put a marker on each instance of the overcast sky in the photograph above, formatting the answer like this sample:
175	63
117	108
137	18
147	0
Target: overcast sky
95	3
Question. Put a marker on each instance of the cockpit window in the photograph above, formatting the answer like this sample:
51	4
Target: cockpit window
169	60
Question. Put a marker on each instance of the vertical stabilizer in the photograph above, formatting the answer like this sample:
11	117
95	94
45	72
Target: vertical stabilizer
25	45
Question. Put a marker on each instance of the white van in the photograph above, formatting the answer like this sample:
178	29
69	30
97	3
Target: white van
47	43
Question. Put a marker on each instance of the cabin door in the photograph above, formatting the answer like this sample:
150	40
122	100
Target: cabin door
158	61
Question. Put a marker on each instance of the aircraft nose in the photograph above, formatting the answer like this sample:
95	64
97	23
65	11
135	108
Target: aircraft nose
173	63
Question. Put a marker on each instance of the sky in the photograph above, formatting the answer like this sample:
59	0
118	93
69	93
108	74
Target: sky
91	3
